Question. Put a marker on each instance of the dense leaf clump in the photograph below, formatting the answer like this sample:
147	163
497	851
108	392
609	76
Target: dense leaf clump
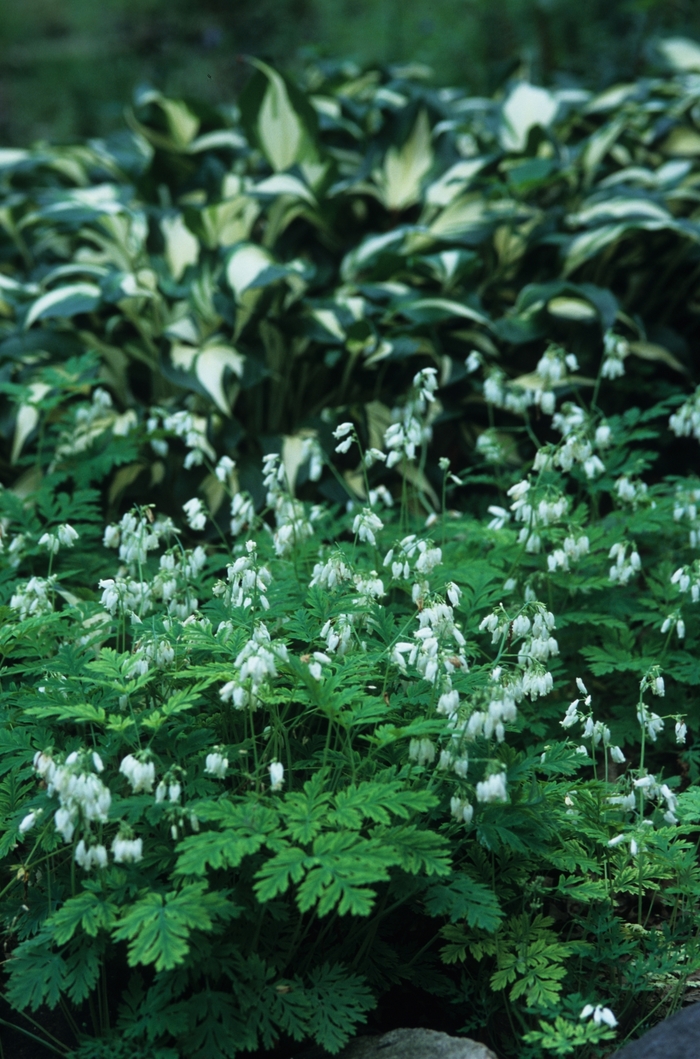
348	573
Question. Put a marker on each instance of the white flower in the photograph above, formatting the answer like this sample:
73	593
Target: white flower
600	1014
421	751
473	361
373	456
366	524
461	767
94	856
216	764
461	809
501	516
276	775
27	823
50	542
681	731
342	431
67	536
593	466
127	851
617	755
64	820
346	431
492	789
380	493
572	715
140	774
195	514
242	513
224	468
454	593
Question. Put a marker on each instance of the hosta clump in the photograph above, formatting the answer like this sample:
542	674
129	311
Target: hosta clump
251	275
236	768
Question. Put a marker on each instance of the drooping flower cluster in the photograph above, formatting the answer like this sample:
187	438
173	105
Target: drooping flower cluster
293	523
631	492
433	651
337	632
89	422
136	534
595	731
248	581
538	645
242	513
255	665
216	764
550	510
139	771
652	722
414	558
573	549
686	421
34	597
502	393
551	371
64	536
125	595
174	582
190	428
149	651
332	573
195	514
615	349
83	798
493	788
600	1015
412	427
687	507
366	525
687	578
127	850
627	563
579	441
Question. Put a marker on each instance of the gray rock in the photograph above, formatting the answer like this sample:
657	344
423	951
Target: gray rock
416	1044
674	1038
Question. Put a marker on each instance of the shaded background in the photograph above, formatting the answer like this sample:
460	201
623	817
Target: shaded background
67	67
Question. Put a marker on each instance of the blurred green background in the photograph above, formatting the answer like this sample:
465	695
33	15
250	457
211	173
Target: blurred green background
67	67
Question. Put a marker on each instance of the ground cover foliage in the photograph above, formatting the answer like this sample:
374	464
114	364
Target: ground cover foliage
348	571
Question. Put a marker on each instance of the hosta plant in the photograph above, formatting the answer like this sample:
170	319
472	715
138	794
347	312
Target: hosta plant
244	271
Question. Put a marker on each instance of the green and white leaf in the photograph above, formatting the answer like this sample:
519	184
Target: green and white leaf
181	246
65	302
525	108
210	364
401	177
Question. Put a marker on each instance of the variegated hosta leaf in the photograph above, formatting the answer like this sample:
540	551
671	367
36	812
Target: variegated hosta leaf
250	266
572	308
229	222
526	107
27	418
284	184
210	364
401	177
281	129
181	246
65	301
681	53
